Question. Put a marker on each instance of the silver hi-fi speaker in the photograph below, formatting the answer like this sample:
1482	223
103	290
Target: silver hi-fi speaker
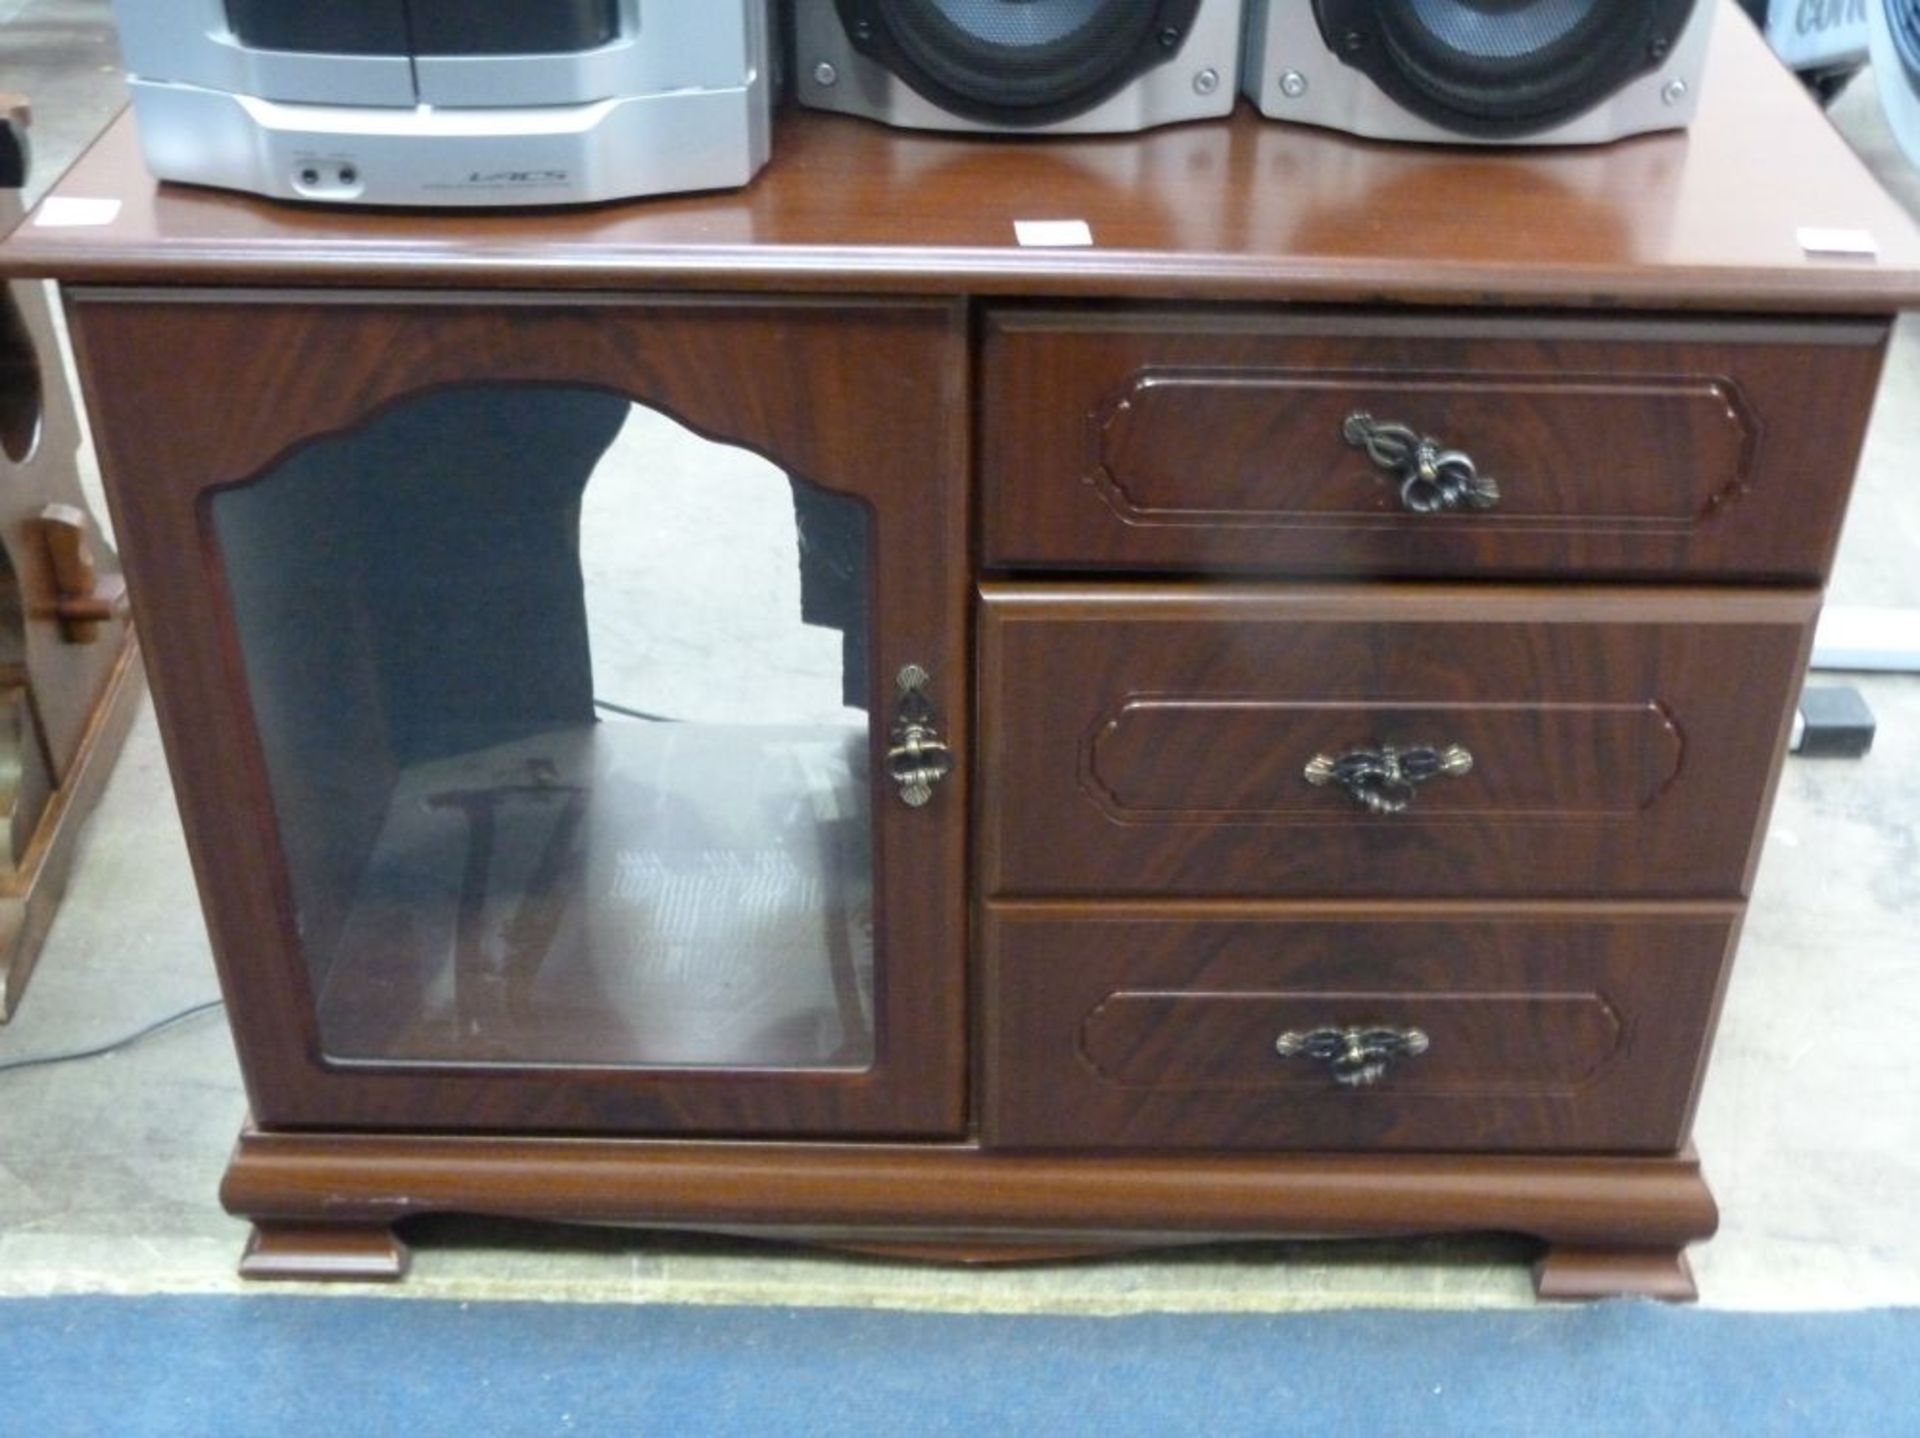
1536	72
1034	66
1894	38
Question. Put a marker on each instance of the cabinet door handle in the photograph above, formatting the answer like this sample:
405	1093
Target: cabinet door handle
1385	780
1353	1057
1433	479
918	759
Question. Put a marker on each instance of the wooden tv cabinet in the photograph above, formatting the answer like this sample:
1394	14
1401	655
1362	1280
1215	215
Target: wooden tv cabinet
1318	661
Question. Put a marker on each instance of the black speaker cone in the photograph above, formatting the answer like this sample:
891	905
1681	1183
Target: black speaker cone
1018	62
1498	68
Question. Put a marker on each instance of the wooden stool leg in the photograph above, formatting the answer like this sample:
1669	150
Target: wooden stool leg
325	1253
1570	1274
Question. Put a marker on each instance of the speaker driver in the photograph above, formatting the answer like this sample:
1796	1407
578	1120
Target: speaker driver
1018	63
1894	41
1502	68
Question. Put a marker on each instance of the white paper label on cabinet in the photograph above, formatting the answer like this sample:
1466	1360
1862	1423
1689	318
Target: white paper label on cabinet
1053	234
63	212
1854	244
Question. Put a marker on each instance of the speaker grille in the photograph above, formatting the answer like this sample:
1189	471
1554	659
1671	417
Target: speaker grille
1503	67
1493	31
1027	26
1903	19
1018	61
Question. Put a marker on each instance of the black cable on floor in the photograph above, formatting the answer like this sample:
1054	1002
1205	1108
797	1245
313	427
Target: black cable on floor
48	1060
626	713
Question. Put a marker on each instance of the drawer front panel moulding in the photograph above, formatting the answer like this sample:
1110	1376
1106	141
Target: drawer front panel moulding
1214	441
1636	752
1189	741
1150	1026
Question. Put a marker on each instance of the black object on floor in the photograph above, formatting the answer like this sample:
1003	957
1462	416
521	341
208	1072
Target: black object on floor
1835	723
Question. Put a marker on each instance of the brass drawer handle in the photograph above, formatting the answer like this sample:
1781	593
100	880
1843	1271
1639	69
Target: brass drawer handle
1385	780
1433	479
1354	1057
918	759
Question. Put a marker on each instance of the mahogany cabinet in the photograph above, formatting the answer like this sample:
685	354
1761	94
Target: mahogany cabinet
1261	726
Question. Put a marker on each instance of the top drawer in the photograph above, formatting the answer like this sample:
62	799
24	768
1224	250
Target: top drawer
1220	442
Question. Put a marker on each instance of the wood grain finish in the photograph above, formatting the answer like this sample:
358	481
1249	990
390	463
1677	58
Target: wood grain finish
1568	1273
325	1253
1153	741
1207	441
1551	1028
1189	756
292	368
1240	210
958	1193
1671	393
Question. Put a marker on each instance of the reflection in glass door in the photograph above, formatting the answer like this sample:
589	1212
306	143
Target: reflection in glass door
565	717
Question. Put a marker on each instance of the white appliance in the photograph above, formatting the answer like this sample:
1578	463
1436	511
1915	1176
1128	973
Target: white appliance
1019	66
1527	72
440	102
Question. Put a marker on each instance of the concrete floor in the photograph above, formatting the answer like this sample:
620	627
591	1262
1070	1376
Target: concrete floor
1809	1127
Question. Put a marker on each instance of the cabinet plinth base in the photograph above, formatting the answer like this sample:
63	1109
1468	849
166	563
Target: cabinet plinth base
1570	1273
325	1253
324	1203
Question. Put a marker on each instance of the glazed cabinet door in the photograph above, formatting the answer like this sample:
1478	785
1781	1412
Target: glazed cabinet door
565	700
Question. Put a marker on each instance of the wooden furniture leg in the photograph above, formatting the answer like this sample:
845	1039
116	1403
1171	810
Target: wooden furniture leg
325	1253
1570	1273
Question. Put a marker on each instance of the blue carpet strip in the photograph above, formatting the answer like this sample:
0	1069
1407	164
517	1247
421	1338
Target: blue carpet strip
207	1367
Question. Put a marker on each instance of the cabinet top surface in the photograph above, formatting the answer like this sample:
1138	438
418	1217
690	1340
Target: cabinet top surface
1237	210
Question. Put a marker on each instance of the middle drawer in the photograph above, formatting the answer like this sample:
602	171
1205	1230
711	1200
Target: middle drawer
1419	741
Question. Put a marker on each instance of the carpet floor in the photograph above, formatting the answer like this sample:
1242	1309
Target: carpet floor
211	1367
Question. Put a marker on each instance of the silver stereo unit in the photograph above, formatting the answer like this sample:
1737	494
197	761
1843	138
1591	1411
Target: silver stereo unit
1532	72
1028	66
442	102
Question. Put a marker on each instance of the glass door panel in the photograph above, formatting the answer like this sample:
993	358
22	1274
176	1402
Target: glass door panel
565	713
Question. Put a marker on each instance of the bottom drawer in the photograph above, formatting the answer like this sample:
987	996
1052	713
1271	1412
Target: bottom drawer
1415	1027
